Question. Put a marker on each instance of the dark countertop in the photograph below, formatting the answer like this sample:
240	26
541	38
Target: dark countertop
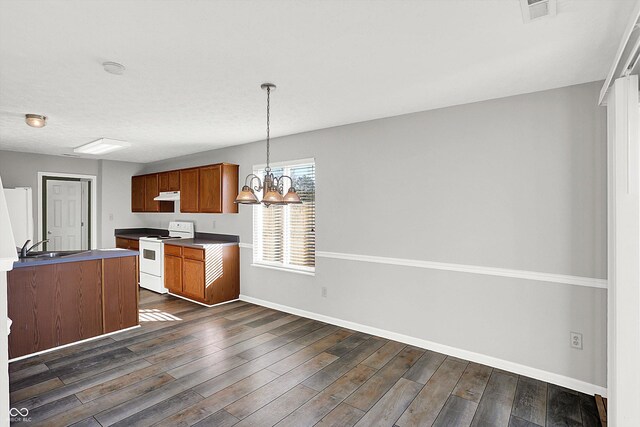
83	256
136	233
200	241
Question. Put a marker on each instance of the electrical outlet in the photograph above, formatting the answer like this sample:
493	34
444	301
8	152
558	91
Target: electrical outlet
213	224
576	340
110	217
324	292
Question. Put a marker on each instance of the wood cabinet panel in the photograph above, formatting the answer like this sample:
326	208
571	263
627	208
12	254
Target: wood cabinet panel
193	263
163	181
229	188
210	194
205	189
193	253
189	183
150	191
80	302
31	329
172	250
193	278
53	305
174	180
232	265
120	296
226	286
173	273
137	193
169	181
124	243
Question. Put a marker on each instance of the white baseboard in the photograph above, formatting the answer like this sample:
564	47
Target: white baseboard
539	374
26	356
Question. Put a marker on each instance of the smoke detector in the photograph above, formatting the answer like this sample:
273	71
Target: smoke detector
532	10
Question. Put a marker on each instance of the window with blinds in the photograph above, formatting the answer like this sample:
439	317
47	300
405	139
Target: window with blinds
285	236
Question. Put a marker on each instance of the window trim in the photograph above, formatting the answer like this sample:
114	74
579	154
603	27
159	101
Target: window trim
275	165
309	271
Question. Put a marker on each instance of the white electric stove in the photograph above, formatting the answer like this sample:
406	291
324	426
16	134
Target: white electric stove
152	255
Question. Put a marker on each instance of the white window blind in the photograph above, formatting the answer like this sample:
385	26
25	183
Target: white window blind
285	235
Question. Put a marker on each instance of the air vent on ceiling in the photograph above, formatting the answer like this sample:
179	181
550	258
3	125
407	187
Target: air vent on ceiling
536	9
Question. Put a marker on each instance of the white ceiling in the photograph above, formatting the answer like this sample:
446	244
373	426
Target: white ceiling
194	67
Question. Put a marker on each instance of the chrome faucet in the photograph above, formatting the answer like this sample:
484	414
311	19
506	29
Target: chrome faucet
24	251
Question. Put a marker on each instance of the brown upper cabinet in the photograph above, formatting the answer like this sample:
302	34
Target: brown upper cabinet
210	194
169	181
137	194
203	189
150	191
144	188
189	190
218	188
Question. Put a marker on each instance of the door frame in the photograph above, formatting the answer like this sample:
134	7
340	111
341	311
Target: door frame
93	203
623	293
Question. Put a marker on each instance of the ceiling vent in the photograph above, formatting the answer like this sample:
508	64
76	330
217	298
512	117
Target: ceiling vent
536	9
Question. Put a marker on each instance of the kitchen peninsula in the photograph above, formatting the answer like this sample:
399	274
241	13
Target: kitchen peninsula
54	301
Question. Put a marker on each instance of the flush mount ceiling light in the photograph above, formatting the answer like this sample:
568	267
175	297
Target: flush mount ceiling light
101	146
113	68
272	187
35	120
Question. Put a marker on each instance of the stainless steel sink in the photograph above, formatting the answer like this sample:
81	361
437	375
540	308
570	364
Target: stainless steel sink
52	254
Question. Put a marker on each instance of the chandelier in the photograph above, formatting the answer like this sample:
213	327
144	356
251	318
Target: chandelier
272	187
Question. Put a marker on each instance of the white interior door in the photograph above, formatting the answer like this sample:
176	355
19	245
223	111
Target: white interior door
64	215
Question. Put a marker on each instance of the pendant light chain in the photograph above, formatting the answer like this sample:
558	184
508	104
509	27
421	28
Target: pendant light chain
268	118
272	186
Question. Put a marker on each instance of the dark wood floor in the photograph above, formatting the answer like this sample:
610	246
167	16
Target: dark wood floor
241	364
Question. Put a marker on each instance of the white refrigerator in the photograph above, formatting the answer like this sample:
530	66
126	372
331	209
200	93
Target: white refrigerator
19	203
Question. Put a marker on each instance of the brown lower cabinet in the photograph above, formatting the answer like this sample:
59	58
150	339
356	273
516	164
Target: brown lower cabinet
173	273
124	243
57	304
185	272
120	298
193	284
131	244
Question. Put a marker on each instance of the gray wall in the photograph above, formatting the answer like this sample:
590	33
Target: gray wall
115	199
516	183
113	192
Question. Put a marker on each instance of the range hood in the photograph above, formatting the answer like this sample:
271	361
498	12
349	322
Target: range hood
168	196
